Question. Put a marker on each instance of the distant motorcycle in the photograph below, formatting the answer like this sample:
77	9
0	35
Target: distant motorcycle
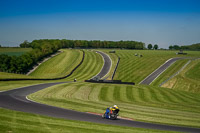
111	113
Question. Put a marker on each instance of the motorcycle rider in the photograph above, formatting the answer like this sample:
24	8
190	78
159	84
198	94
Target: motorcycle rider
109	110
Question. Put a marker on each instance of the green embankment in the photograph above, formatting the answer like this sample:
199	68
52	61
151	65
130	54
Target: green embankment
19	122
63	64
4	75
142	103
188	79
134	68
90	67
8	85
60	65
174	68
14	51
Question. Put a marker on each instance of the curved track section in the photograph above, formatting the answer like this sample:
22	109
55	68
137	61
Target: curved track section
149	79
17	100
106	67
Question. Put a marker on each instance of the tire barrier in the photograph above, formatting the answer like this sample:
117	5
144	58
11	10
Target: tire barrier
115	68
49	78
110	82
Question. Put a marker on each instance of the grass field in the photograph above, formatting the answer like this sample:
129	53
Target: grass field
63	64
19	122
14	51
142	103
90	67
4	75
134	69
8	85
60	65
174	68
188	79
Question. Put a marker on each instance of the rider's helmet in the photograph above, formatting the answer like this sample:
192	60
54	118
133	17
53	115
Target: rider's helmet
115	106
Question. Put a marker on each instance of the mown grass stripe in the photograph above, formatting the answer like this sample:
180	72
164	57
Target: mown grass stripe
154	96
116	94
103	94
167	97
129	93
142	94
134	101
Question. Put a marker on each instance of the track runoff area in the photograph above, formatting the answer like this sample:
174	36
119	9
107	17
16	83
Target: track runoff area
16	99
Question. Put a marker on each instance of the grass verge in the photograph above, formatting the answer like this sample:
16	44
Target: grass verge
142	103
90	67
14	51
169	72
19	122
135	68
188	79
60	65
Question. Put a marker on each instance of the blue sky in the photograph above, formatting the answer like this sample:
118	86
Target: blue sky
162	22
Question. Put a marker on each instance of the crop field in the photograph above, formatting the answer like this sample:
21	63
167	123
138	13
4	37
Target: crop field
134	68
14	51
19	122
188	79
60	65
142	103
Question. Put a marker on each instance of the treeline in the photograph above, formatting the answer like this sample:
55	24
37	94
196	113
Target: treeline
22	64
86	44
44	47
187	47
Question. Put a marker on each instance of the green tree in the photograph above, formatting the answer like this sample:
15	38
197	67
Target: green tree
170	47
149	46
25	44
155	46
176	47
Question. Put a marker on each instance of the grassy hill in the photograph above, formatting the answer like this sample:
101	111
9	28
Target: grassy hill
60	65
4	75
14	51
188	79
142	103
134	68
90	67
173	69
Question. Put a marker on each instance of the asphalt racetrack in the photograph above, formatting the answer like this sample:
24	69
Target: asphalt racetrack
149	79
106	67
17	100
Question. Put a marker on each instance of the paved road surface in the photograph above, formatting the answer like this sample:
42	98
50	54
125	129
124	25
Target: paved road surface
149	79
17	100
107	65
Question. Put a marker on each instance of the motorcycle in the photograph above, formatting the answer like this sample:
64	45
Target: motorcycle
113	113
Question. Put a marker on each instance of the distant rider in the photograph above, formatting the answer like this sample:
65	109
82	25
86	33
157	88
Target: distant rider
108	111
